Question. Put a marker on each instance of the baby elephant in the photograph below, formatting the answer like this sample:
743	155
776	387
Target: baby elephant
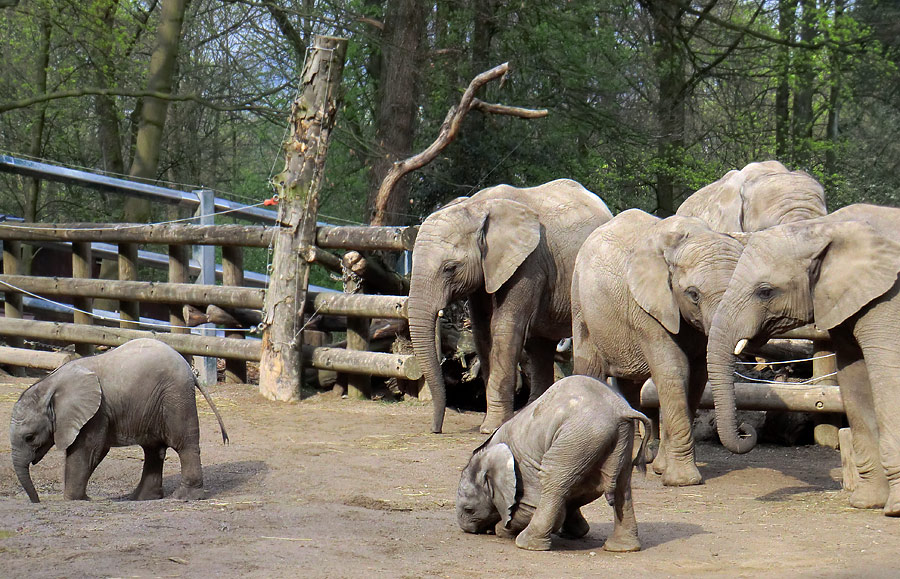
139	393
533	475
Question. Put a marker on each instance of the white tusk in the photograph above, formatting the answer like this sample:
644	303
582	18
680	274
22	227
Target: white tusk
740	346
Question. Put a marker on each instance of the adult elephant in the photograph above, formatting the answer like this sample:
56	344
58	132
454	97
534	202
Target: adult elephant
758	196
839	271
644	291
510	251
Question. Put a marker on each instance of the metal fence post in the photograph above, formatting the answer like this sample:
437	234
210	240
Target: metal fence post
206	256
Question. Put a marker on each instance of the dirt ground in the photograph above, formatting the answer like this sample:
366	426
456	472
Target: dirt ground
332	487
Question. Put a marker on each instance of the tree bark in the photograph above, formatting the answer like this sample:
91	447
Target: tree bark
802	127
786	18
154	110
395	117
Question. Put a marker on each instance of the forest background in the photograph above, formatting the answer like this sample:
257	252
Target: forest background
648	100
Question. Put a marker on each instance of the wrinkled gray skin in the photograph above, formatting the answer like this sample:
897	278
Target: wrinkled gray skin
839	271
510	252
644	291
139	393
561	452
758	196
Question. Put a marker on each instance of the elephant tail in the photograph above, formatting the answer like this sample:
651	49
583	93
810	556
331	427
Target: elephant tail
640	461
212	405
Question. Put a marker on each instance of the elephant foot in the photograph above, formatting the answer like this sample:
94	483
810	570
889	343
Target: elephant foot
184	493
492	422
892	506
659	463
871	494
575	526
623	544
528	541
501	531
678	474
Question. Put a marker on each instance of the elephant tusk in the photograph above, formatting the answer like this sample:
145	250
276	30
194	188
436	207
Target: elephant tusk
740	346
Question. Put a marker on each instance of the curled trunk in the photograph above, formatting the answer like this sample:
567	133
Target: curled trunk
721	364
23	473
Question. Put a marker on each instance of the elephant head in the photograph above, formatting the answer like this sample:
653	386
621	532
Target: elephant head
681	270
52	411
487	489
467	246
818	270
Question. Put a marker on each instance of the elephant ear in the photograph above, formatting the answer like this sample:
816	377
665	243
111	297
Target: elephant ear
855	265
500	478
76	400
647	269
509	233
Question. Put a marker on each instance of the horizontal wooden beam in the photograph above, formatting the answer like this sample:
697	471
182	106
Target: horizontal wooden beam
355	362
167	234
39	359
365	238
808	332
755	396
358	305
82	334
143	291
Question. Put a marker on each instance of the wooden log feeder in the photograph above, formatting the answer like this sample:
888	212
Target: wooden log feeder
313	116
752	396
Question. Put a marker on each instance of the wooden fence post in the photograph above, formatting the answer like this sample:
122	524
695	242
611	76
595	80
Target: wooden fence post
179	272
82	266
12	301
129	311
312	119
233	274
825	431
357	385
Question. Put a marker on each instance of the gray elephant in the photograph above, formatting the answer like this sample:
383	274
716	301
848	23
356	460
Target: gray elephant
644	291
139	393
510	251
758	196
561	452
839	271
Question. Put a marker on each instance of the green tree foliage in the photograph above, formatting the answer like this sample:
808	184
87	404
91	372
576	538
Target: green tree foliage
595	65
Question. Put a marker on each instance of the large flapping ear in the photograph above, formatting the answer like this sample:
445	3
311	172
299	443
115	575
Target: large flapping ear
647	269
76	399
500	477
510	232
856	264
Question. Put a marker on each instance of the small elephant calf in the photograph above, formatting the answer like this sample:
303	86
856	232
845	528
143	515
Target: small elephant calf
561	452
139	393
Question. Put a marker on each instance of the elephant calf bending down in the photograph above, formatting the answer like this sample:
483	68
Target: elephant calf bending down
561	452
139	393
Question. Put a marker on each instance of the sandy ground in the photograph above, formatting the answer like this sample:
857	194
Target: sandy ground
333	487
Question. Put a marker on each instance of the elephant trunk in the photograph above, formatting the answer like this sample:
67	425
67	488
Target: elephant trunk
721	364
20	465
423	310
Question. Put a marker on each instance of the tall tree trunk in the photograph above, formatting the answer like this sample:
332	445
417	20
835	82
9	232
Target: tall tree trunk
153	114
832	131
668	58
395	117
802	127
787	10
108	135
33	192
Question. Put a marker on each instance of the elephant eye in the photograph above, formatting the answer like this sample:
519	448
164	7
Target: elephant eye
449	268
765	292
29	437
693	295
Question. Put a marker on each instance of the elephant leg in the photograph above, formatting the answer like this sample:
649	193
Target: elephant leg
672	378
538	365
625	535
575	526
83	456
150	487
882	366
871	491
81	461
191	487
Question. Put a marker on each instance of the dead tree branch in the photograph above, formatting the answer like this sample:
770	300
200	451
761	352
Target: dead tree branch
448	132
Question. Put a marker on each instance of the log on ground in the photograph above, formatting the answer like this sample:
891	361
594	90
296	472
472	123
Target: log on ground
749	396
38	359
